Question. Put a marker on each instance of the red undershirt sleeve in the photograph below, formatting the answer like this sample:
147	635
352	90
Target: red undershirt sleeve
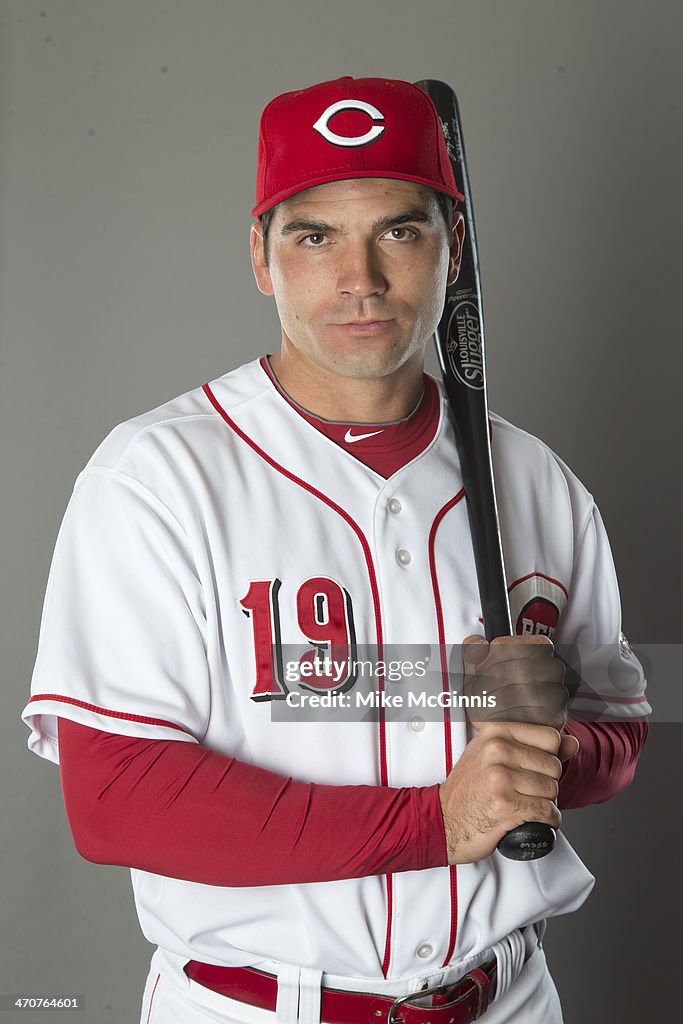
182	810
605	764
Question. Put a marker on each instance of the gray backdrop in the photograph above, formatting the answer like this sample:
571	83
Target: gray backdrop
128	142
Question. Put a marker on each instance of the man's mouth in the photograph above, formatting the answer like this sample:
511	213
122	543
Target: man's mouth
364	326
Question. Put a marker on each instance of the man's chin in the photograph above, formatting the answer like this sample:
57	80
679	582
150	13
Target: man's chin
368	361
366	367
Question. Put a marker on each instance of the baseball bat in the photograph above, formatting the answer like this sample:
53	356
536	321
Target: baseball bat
459	342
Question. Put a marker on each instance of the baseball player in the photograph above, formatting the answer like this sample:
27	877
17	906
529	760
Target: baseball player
310	503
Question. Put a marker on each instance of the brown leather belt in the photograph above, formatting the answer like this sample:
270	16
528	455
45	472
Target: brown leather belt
459	1003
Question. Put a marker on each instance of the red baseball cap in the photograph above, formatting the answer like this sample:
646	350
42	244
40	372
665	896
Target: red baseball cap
350	128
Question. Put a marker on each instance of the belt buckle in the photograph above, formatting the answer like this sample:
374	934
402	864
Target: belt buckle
435	991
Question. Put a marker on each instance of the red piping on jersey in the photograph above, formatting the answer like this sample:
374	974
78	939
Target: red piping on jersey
384	775
152	997
106	711
445	686
542	576
608	698
439	619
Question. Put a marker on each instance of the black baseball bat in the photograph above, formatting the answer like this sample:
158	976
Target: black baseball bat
459	342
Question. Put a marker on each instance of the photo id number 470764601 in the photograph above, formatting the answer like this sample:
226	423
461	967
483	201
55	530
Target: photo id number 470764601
14	1002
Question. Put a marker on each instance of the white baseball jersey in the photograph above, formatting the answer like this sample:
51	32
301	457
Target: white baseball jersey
207	535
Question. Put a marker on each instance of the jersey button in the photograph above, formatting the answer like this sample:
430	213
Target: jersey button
403	557
417	724
424	951
394	506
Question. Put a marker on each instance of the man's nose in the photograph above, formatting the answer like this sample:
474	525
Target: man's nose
360	272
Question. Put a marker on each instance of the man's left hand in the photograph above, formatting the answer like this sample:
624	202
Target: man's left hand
525	679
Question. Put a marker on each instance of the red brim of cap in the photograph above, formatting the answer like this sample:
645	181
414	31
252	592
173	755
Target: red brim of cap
455	195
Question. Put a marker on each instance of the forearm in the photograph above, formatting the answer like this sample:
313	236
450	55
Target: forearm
605	764
182	810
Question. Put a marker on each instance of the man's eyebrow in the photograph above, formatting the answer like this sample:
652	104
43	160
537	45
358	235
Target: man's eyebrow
317	227
416	215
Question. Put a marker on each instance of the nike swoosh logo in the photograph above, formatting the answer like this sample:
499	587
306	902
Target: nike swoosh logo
350	438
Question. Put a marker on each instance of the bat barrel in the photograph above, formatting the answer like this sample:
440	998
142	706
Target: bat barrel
460	347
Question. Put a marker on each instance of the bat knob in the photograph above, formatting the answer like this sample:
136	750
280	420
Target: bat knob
530	841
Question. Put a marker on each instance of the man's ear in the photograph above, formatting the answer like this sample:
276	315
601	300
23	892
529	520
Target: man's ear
456	247
258	260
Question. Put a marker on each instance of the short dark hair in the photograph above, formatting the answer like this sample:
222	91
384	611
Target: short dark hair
444	202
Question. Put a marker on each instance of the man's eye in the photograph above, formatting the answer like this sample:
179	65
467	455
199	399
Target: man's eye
314	240
401	234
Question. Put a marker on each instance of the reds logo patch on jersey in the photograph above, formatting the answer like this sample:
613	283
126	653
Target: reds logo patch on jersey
536	603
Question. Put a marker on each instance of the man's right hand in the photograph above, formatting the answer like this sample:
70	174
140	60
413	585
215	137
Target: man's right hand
508	774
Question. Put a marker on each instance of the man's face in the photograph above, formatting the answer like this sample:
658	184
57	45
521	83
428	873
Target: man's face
358	270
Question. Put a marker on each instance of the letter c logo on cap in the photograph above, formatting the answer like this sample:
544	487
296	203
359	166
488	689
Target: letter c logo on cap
322	124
